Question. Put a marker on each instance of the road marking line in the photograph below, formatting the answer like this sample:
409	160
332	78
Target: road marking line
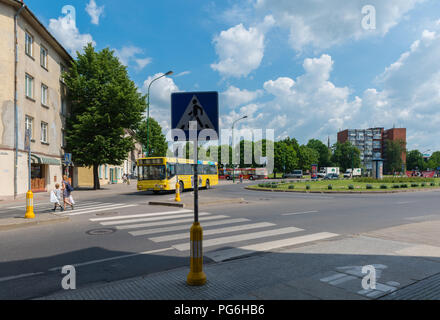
213	231
164	223
112	223
44	204
20	276
113	258
225	254
139	215
333	277
291	214
241	237
184	227
87	207
102	209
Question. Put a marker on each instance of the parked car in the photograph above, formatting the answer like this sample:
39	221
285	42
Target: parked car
297	174
331	176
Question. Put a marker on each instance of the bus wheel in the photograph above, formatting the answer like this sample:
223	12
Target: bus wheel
251	178
208	185
228	178
181	187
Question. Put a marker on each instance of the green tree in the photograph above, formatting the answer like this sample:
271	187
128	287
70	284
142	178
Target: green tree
104	104
307	156
434	161
285	157
346	156
415	161
158	143
393	155
323	151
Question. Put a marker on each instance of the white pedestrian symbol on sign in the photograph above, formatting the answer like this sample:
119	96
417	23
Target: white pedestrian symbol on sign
195	112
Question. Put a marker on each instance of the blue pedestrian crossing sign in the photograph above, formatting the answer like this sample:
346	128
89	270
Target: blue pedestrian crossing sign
201	107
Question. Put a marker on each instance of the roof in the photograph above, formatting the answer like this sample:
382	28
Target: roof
33	20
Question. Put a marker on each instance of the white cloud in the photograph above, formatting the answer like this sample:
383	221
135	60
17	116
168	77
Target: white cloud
65	31
128	54
234	97
241	50
320	24
307	107
94	11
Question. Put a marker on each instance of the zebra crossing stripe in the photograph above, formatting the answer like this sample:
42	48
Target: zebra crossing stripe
112	223
164	223
213	231
185	227
139	215
222	255
241	237
120	206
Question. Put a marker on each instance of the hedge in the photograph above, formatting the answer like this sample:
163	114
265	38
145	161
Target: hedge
394	180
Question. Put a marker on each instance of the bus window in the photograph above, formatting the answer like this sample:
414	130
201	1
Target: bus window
153	173
171	170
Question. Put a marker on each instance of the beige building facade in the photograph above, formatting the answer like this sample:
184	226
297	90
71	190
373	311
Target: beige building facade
32	96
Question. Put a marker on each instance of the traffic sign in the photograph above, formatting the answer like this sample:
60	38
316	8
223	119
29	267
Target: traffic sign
68	158
201	107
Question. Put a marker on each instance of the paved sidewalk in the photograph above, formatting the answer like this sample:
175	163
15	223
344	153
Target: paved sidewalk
40	219
330	269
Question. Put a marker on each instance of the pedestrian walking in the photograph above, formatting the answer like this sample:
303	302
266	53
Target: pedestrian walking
67	193
55	198
241	178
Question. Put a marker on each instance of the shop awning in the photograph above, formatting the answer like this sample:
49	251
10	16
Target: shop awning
45	160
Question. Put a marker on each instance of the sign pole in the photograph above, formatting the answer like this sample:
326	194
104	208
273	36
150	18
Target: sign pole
29	195
196	276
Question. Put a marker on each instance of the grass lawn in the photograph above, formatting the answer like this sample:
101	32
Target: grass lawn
343	185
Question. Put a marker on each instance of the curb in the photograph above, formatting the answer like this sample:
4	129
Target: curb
344	192
33	222
168	204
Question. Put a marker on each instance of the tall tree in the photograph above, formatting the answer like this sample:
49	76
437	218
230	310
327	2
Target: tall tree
158	144
323	151
285	157
104	103
307	156
434	161
346	156
393	155
415	161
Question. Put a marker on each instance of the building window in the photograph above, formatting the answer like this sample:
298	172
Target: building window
29	125
63	107
62	70
43	57
63	138
106	172
29	84
29	45
44	132
44	91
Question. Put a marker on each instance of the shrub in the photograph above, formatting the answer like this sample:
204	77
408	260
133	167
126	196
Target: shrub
308	187
369	186
330	187
414	185
396	186
274	186
384	186
404	185
351	187
432	184
394	180
423	184
291	187
261	185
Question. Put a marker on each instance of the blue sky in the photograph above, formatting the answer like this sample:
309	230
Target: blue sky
303	68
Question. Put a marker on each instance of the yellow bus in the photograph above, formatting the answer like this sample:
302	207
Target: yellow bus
160	174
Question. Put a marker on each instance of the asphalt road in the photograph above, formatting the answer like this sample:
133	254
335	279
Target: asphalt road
120	236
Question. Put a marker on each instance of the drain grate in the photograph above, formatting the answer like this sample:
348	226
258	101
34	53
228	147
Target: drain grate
100	232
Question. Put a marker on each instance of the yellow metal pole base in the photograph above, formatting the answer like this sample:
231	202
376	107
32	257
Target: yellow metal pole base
29	205
178	192
196	276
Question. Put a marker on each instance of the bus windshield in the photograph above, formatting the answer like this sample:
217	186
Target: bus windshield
152	173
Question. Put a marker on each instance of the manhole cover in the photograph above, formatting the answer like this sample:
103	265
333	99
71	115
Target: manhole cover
100	232
107	214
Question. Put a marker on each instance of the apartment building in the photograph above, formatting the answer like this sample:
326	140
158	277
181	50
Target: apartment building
372	142
32	96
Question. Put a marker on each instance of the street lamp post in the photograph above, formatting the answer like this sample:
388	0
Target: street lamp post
232	146
148	109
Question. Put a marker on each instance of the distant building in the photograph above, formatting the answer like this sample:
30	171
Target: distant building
372	142
32	96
